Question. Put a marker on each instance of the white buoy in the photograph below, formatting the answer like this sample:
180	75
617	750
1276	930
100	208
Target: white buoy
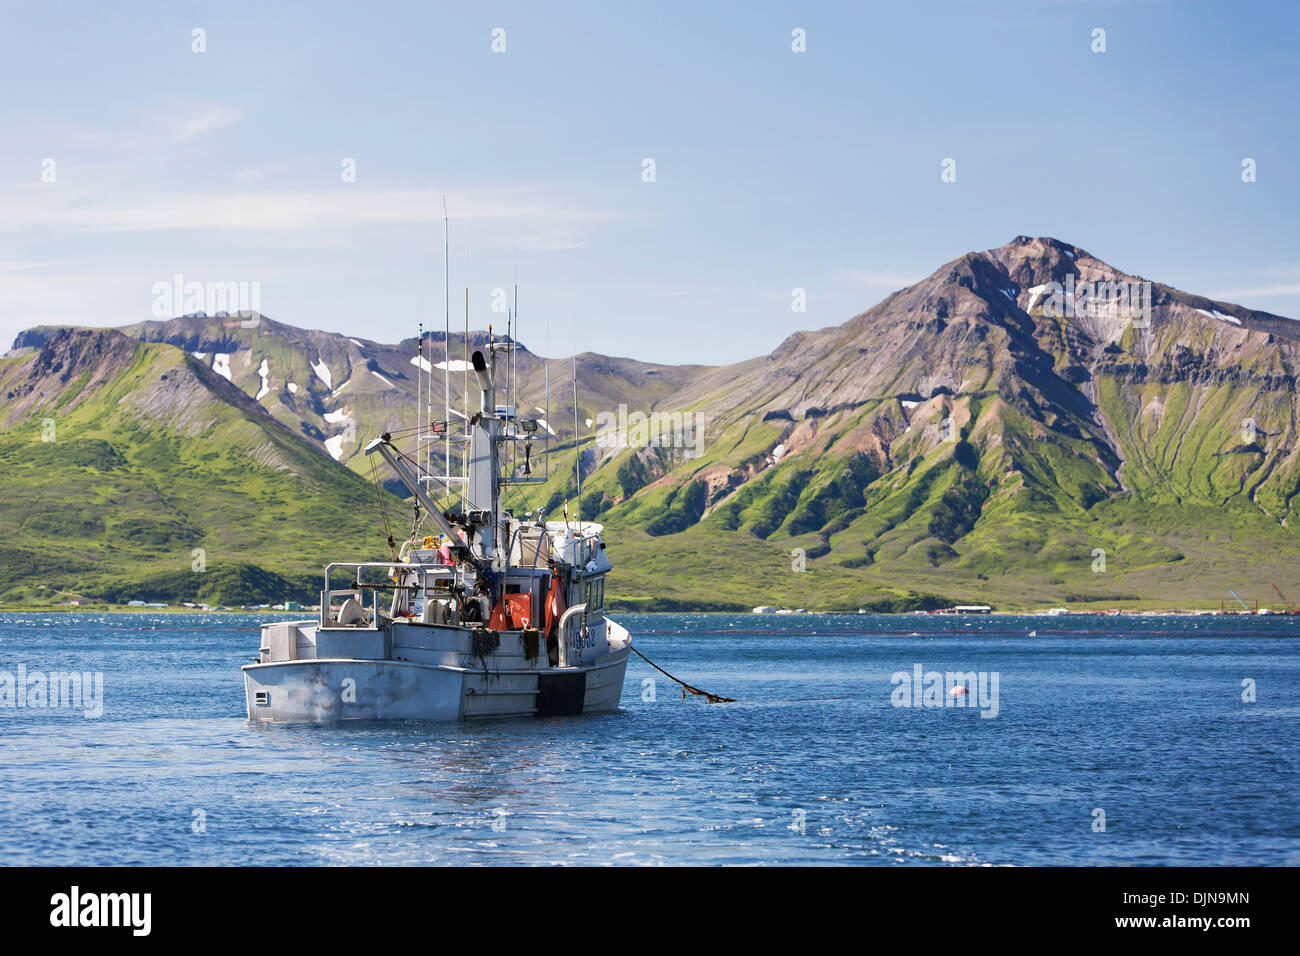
958	691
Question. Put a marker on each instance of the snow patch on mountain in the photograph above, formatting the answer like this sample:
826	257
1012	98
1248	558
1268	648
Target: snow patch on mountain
334	446
455	365
262	371
323	372
1221	316
1034	293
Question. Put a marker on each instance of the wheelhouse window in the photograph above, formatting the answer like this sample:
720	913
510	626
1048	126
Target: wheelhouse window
593	592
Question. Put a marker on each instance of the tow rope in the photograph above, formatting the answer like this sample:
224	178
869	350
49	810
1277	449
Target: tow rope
711	698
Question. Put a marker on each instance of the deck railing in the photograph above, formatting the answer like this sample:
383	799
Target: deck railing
357	587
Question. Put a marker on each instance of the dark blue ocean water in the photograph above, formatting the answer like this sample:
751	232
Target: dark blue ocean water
1142	718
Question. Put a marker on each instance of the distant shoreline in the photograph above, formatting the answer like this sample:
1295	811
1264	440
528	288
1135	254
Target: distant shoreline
313	612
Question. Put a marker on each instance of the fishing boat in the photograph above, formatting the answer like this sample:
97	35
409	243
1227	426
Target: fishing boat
487	615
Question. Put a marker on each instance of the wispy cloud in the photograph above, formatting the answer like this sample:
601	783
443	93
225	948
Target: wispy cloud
1292	288
880	279
1261	280
196	119
161	131
261	171
537	219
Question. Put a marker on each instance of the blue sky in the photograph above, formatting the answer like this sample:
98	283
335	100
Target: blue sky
774	170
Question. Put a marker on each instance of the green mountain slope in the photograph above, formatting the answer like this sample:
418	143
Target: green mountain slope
132	471
959	439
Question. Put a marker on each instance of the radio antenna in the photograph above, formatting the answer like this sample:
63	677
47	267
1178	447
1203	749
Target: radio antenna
577	440
419	390
548	400
514	363
446	337
465	393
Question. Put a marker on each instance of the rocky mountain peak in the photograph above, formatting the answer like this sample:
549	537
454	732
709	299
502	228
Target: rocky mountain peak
66	359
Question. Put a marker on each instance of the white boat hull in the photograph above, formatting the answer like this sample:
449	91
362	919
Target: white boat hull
323	689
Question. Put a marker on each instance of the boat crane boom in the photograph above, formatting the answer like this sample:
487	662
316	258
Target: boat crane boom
389	454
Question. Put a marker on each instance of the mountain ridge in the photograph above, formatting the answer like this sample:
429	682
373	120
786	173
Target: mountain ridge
970	436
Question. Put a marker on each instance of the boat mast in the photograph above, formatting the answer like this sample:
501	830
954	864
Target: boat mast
446	335
577	442
482	506
512	397
465	392
507	428
419	394
548	413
